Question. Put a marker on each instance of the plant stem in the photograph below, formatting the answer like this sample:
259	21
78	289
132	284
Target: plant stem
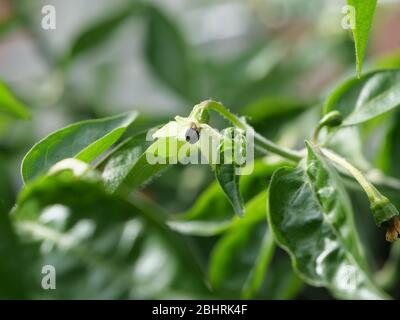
223	111
266	146
289	154
372	193
260	141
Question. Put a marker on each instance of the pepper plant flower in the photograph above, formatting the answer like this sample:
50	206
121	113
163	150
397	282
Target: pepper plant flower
196	131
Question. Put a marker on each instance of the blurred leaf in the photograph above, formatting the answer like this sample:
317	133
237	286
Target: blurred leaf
8	25
348	143
167	53
271	107
9	104
15	281
389	155
388	276
390	60
364	14
83	140
311	217
261	267
101	245
281	281
226	171
240	258
100	31
212	213
7	199
360	100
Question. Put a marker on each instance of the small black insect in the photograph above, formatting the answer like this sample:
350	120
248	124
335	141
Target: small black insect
192	134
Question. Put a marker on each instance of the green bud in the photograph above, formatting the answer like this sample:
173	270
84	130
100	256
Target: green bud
200	113
383	210
331	119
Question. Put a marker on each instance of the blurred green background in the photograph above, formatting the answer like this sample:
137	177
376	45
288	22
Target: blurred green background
271	60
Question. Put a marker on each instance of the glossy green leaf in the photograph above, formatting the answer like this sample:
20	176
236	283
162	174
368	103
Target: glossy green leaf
361	100
226	171
84	140
128	167
119	162
311	217
10	105
229	182
101	245
364	14
167	53
239	260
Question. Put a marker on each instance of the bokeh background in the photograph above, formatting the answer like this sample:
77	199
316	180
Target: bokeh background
272	60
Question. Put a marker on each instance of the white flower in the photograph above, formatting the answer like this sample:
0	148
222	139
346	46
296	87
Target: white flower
179	129
197	134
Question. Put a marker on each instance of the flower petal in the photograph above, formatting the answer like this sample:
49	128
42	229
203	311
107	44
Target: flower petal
183	121
209	131
209	143
171	129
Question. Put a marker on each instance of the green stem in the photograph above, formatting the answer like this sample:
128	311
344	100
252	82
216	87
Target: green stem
372	193
266	146
223	111
259	139
331	119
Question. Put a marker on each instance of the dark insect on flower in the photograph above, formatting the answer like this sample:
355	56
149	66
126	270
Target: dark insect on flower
192	134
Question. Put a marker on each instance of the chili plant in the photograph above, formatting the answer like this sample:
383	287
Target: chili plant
85	207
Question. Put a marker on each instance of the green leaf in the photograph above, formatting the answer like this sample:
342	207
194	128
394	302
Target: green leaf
273	107
10	105
226	171
389	155
115	167
127	167
101	31
84	140
281	281
15	281
364	14
361	100
212	212
167	53
102	246
239	260
311	217
229	182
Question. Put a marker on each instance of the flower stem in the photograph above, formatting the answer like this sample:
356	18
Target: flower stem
372	193
265	145
259	139
223	111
